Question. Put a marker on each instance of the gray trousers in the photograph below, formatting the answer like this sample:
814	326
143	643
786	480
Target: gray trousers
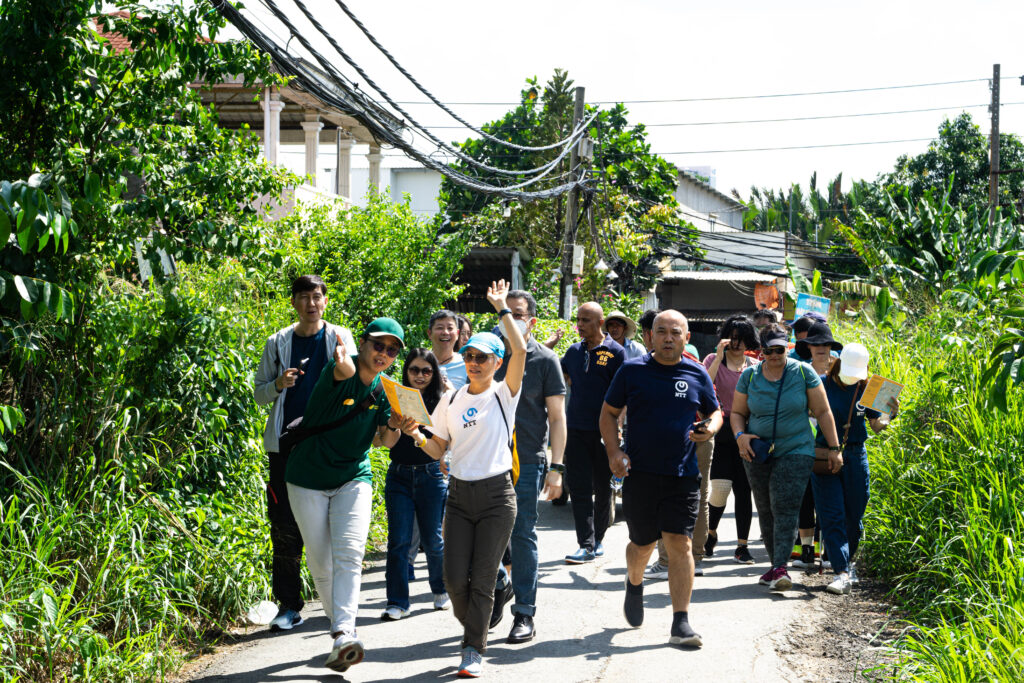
778	487
477	525
700	530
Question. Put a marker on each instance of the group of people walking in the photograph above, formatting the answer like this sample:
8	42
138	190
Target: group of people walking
676	434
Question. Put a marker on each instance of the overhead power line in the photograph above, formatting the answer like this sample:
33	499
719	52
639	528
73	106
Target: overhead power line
749	97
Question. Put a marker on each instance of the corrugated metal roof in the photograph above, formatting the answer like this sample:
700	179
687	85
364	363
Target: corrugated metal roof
718	276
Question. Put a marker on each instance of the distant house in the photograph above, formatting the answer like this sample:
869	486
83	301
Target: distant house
735	262
481	267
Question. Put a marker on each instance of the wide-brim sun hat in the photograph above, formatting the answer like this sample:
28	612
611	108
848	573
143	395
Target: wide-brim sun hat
486	342
854	359
619	315
385	327
820	334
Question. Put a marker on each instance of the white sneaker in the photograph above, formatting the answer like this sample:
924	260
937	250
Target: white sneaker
394	613
285	620
841	585
347	651
656	570
853	573
441	601
826	565
472	663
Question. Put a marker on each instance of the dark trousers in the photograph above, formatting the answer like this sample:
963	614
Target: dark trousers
477	525
590	492
414	498
285	539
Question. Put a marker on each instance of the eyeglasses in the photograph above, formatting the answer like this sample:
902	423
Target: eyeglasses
425	371
475	358
774	350
381	347
525	317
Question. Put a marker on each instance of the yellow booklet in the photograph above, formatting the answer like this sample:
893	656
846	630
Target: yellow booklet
405	401
878	392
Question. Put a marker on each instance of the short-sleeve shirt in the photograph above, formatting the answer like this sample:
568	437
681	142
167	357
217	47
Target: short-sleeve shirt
477	435
725	381
793	433
662	402
839	398
313	348
542	377
591	372
455	371
340	455
633	350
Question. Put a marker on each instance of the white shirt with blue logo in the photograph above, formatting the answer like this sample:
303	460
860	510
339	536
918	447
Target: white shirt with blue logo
472	426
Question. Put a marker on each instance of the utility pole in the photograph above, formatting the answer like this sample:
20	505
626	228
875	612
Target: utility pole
569	234
993	178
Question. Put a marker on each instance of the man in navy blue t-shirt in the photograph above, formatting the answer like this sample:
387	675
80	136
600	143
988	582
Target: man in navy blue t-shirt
589	366
665	394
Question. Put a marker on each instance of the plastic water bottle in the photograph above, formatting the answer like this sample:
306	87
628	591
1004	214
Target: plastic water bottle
616	482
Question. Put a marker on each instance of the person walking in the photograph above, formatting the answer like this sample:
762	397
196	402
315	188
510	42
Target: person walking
589	366
477	423
665	394
414	494
540	413
622	329
841	496
292	360
774	438
737	337
329	476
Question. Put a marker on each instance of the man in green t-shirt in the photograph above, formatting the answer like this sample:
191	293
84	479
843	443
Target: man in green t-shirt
329	476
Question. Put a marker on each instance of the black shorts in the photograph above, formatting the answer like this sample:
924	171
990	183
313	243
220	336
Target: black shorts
656	503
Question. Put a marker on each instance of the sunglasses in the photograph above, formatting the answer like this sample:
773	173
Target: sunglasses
774	350
475	358
426	372
381	347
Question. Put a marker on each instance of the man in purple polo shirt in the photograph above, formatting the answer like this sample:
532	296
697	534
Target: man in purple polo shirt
589	366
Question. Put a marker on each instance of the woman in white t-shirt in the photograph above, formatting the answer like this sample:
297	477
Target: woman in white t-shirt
476	423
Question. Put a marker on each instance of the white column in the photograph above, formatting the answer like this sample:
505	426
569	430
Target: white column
374	158
271	125
312	126
343	186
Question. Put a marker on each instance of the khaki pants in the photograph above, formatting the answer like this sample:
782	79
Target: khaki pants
700	531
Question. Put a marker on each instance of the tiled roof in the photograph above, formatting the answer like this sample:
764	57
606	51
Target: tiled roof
118	42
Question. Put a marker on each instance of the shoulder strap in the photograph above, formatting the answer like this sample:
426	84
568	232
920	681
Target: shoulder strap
849	415
778	398
505	420
370	400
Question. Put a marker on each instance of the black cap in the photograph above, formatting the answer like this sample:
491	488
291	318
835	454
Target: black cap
817	334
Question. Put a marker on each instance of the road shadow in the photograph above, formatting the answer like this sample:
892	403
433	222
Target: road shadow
278	672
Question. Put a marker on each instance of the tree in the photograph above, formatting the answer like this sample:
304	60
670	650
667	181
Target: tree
628	183
957	162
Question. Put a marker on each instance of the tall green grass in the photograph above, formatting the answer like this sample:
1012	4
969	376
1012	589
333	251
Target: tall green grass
947	505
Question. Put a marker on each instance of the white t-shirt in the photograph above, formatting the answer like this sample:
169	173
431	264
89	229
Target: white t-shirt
472	426
455	371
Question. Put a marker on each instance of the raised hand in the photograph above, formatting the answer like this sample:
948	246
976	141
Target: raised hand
497	293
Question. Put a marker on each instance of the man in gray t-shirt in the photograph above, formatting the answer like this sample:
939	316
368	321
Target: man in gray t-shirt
541	410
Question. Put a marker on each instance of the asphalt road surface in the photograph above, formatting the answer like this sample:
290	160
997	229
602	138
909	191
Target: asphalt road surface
581	632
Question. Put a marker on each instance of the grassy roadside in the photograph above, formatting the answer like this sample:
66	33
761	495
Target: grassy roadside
946	505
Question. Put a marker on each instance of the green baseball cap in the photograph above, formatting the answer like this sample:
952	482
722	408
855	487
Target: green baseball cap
385	327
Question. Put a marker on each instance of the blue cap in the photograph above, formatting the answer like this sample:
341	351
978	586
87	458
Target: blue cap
486	342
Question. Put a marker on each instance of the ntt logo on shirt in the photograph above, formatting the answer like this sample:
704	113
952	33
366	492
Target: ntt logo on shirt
681	388
468	418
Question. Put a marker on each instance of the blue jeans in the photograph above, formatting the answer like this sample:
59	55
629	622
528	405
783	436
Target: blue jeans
414	494
524	540
841	500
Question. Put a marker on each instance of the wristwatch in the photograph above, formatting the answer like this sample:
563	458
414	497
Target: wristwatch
738	435
503	312
835	449
557	467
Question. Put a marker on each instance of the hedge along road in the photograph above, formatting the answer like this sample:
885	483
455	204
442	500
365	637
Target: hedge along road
582	634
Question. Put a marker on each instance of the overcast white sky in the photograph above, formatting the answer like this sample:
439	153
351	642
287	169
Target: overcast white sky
646	49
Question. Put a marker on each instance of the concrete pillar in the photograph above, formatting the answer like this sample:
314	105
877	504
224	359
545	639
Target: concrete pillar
374	158
312	126
271	125
343	186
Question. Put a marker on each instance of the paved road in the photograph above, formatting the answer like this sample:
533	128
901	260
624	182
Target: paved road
582	634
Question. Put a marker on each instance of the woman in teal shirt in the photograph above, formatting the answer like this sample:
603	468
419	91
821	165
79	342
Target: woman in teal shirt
771	402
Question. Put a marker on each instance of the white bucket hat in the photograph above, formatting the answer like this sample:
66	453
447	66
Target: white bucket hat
854	358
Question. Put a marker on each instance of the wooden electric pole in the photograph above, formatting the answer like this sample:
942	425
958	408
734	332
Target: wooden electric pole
993	178
569	234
